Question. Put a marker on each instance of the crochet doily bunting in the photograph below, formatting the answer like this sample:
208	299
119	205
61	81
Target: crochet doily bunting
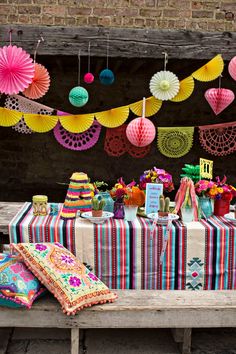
22	104
175	142
117	144
80	141
218	139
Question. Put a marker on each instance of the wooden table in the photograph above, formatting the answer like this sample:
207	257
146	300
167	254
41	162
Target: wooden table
7	211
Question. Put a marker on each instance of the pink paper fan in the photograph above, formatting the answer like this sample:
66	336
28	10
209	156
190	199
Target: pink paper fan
40	84
16	70
219	98
232	68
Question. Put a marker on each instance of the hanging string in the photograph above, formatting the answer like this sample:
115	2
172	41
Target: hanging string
144	107
220	77
79	68
89	58
107	49
10	35
37	46
165	59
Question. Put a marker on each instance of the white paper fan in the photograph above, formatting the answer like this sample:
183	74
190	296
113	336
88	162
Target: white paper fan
164	85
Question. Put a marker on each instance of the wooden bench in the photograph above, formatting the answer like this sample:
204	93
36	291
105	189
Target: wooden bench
179	310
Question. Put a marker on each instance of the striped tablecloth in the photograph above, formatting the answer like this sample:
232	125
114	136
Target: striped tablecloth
199	255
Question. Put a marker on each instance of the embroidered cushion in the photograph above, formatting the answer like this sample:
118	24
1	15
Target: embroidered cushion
18	286
64	275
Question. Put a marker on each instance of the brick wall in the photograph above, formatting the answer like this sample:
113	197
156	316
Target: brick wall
209	15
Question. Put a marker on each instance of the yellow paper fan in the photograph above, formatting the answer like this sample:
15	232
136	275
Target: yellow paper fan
9	117
77	123
152	106
114	117
211	70
185	89
40	123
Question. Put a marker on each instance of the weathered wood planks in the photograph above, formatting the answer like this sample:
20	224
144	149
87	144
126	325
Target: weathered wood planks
124	42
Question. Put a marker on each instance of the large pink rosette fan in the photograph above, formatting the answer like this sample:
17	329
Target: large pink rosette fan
219	98
16	70
40	84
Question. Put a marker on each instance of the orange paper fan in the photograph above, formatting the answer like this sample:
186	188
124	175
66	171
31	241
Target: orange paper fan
77	123
152	106
40	84
9	117
40	123
185	89
211	70
114	117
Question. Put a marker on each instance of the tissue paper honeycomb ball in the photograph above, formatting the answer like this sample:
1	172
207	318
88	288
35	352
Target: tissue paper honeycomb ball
78	96
106	77
141	132
88	78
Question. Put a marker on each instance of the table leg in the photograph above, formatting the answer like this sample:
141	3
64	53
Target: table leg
74	340
183	337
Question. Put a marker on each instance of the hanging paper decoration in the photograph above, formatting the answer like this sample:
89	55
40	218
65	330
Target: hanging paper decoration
164	85
78	142
114	117
78	96
40	123
211	70
185	89
9	117
117	144
40	84
77	123
232	68
175	142
16	70
152	106
106	76
141	131
88	77
219	98
218	139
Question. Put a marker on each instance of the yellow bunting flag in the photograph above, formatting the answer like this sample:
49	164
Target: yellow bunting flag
152	106
114	117
77	123
211	70
185	89
40	123
9	117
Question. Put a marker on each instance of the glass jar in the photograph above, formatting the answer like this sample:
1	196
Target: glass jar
187	214
109	206
205	207
221	207
119	212
40	205
130	212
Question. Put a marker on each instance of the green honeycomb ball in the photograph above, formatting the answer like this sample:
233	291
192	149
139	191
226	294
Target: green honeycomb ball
78	96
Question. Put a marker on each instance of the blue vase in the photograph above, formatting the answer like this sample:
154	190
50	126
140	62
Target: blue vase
205	207
109	206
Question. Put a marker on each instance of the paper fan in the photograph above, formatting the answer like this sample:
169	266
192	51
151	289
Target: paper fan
152	106
40	123
77	123
232	68
9	117
164	85
16	70
185	89
211	70
40	84
114	117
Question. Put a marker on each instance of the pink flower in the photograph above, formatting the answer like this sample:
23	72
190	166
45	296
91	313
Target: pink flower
40	247
74	281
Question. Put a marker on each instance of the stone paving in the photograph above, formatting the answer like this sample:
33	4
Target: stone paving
110	341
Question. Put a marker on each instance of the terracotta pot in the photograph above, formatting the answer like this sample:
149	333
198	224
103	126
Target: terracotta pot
96	213
221	207
161	214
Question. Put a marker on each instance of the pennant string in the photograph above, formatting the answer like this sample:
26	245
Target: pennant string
220	77
165	60
89	58
10	35
37	46
107	49
79	68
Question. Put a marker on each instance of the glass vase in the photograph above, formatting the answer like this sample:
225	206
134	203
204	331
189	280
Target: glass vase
130	212
205	207
119	212
187	214
109	206
221	207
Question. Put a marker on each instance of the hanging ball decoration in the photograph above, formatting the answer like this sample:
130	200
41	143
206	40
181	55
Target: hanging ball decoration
88	78
78	96
232	68
106	77
141	132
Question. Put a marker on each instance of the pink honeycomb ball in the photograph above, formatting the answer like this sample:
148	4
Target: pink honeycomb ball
141	132
88	78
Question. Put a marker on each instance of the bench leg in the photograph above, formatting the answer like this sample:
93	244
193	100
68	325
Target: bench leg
74	340
183	337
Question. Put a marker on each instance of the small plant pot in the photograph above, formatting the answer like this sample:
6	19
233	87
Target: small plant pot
96	213
162	214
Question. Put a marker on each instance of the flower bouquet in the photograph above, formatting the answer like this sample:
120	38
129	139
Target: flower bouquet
205	191
156	175
223	194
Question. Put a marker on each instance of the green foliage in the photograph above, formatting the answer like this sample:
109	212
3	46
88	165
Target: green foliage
164	204
191	171
98	205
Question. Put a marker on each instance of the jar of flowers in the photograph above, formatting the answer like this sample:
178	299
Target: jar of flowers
223	194
205	192
157	175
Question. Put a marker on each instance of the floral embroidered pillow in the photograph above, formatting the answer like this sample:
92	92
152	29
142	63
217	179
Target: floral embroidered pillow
64	275
18	286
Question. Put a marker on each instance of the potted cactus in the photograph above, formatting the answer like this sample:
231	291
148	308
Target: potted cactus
97	207
164	206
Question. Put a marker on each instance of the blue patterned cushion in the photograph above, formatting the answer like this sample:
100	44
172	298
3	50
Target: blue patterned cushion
18	286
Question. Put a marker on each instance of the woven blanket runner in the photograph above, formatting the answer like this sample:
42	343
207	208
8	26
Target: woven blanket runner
199	255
